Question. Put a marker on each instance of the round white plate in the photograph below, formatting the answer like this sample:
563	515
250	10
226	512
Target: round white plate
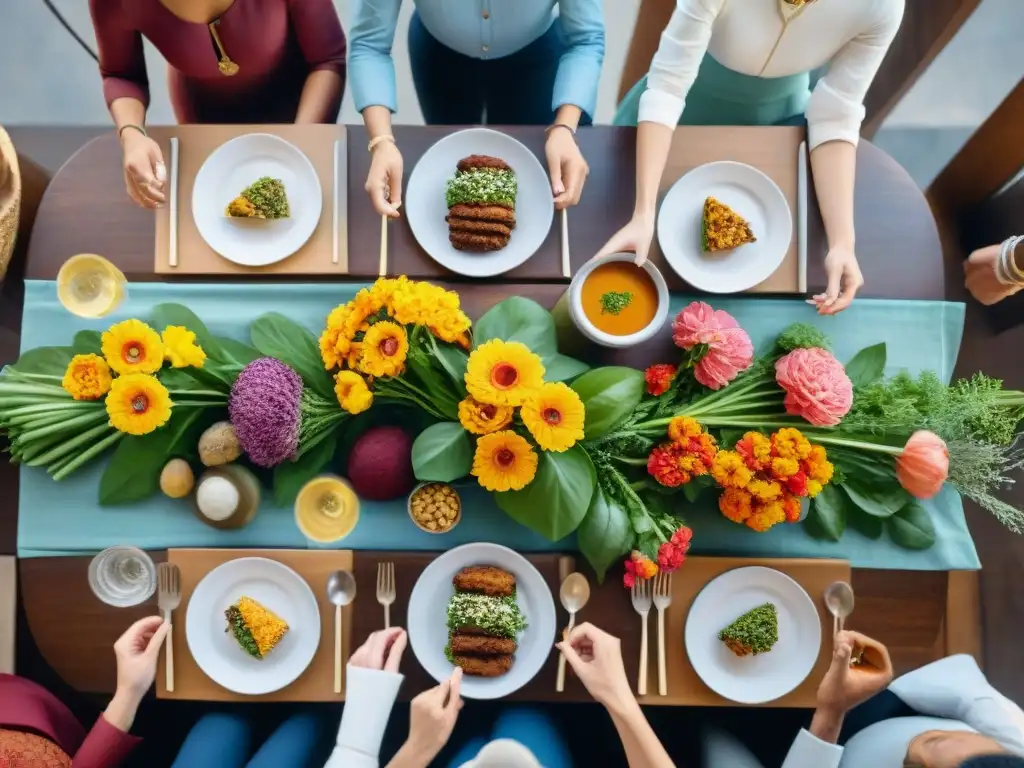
279	589
425	202
427	617
232	167
767	676
753	196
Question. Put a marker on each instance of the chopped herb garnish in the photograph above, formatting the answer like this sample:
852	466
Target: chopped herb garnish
613	302
236	625
498	616
756	631
268	198
492	186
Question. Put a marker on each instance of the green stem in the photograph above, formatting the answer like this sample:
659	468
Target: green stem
63	450
14	388
199	403
88	455
200	392
892	450
631	462
28	423
52	377
69	425
28	410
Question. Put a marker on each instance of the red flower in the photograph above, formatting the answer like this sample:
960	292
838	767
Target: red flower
629	577
682	537
797	484
659	378
663	466
672	553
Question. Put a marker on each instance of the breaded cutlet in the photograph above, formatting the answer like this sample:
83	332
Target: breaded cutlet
482	645
482	161
468	241
485	580
481	212
484	666
459	224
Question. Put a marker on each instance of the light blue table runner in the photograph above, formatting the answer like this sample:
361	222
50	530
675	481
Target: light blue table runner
65	519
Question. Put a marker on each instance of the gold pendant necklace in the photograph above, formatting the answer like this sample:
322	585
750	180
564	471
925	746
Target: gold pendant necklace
226	66
789	10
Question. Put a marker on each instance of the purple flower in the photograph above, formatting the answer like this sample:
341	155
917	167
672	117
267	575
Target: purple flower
264	410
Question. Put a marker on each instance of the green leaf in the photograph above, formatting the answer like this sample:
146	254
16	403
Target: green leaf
605	533
867	366
453	360
175	314
729	438
827	518
442	453
134	469
865	524
562	368
609	396
52	361
241	354
88	343
692	491
292	475
557	500
911	527
275	335
876	499
518	319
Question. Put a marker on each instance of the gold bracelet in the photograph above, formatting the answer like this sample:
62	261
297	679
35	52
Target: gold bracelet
569	128
379	140
138	128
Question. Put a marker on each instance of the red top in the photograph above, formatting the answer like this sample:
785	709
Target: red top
275	43
27	707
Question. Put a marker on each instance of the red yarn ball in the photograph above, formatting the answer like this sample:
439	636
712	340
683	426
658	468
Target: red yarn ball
380	464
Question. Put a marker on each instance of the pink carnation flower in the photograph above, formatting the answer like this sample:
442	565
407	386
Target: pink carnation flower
730	351
816	384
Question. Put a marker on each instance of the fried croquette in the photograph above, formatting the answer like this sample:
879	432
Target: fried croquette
474	226
484	666
482	161
482	645
469	241
480	212
485	580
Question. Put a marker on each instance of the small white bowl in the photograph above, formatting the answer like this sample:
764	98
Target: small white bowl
588	329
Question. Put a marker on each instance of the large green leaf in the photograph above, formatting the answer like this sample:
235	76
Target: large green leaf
518	319
562	368
275	335
609	395
442	453
175	314
865	524
827	518
290	476
52	361
241	353
557	500
876	499
453	360
605	533
911	527
88	343
134	469
867	366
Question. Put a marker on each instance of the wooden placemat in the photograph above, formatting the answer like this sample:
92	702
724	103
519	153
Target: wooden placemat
316	683
195	257
772	150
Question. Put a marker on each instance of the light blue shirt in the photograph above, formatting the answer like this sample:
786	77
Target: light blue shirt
482	29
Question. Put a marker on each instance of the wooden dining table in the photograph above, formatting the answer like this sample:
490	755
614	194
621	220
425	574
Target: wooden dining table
920	615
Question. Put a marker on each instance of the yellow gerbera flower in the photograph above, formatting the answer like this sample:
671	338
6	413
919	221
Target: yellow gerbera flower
385	347
554	416
329	347
87	377
133	347
353	394
504	461
137	404
483	418
180	347
503	373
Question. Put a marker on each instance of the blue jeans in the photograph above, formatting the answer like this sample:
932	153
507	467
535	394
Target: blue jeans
225	740
454	89
532	729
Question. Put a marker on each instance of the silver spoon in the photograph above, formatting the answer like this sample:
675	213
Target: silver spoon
839	601
574	594
341	590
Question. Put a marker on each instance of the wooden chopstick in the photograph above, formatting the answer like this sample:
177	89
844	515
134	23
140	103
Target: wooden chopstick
383	268
566	264
334	245
172	247
801	217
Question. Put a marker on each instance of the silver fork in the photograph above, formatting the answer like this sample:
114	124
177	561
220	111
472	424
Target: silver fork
642	605
662	600
168	578
386	589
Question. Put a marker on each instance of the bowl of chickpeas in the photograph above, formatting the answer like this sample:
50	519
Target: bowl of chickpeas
435	507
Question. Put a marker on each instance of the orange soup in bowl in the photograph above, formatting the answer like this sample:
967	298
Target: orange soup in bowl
619	298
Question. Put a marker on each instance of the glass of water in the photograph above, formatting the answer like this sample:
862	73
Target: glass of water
122	576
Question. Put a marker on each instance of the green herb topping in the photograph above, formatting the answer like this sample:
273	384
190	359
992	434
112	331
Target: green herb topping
614	302
236	625
268	198
498	616
493	186
756	630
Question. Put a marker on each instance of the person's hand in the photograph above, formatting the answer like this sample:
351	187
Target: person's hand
847	684
384	181
382	650
432	717
137	651
144	169
844	280
566	166
596	658
635	237
981	280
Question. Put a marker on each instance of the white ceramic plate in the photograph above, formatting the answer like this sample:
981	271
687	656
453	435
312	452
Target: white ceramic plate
232	167
428	632
278	588
753	196
425	202
767	676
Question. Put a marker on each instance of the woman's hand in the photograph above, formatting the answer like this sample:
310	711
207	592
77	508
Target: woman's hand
144	169
432	717
382	650
384	181
566	166
847	684
137	651
981	279
844	280
596	658
635	237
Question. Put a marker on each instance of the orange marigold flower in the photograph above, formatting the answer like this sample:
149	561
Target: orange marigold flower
729	470
659	378
681	428
735	504
693	465
813	488
663	466
756	450
791	507
784	468
790	443
797	484
766	516
764	490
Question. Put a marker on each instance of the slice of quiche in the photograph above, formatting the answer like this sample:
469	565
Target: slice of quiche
255	628
723	228
756	631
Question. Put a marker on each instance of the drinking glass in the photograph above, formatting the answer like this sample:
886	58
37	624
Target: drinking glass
90	286
122	576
